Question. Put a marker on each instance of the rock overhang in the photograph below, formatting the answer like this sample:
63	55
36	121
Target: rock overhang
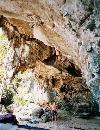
63	32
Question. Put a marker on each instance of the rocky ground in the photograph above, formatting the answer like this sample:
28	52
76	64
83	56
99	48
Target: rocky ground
71	123
28	120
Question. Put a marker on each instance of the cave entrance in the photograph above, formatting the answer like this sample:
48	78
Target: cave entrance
71	69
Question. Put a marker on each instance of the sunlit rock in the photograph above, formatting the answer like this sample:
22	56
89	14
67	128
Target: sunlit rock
61	34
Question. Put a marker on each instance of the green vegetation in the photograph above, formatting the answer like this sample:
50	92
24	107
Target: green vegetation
98	43
20	100
7	97
91	25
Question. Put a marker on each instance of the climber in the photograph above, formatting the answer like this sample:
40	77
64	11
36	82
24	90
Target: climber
41	112
53	109
44	110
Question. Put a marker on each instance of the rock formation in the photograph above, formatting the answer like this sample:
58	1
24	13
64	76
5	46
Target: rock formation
58	39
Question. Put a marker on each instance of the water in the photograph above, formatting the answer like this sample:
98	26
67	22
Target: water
9	126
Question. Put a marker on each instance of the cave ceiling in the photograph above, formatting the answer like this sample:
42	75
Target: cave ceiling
58	33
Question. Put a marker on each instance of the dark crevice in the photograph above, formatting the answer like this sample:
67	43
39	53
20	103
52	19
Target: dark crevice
51	60
93	75
82	21
53	80
71	70
63	88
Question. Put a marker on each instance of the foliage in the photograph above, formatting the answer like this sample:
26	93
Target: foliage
7	97
20	100
91	25
98	43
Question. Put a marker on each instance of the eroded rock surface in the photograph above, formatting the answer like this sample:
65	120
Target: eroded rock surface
57	33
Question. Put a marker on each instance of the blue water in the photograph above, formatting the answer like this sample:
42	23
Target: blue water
9	126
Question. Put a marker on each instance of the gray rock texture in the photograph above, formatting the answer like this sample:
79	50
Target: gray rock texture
64	34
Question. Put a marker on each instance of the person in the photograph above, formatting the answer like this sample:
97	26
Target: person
44	110
41	112
53	108
47	108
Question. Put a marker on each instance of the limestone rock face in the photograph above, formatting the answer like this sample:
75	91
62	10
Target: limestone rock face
64	34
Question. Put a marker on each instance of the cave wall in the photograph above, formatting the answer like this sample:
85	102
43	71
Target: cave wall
60	33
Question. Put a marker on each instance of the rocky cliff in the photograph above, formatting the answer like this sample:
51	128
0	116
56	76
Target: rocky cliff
58	39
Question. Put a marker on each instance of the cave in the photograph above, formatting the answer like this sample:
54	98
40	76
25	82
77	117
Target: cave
52	54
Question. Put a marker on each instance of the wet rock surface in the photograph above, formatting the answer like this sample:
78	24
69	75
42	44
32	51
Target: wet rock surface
8	118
